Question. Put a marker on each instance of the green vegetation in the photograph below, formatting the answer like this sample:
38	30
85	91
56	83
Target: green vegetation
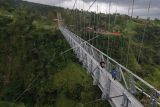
8	104
30	58
33	73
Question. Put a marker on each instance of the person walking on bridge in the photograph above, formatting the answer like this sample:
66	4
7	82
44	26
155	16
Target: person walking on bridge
114	73
102	64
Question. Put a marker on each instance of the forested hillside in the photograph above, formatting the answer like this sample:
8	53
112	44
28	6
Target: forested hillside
33	73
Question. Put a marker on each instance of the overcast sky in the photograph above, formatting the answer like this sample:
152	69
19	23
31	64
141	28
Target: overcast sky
117	6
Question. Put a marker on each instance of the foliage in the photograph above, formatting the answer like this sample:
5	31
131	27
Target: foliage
30	58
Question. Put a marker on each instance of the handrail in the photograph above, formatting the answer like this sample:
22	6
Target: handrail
115	62
124	68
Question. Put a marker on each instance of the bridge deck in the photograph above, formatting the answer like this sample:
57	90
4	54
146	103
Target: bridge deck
111	89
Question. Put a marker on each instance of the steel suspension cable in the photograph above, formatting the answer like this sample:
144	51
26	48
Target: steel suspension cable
89	20
84	23
76	18
114	43
144	31
106	24
28	87
73	12
94	26
80	25
74	4
116	12
97	25
132	8
88	10
91	5
109	29
128	48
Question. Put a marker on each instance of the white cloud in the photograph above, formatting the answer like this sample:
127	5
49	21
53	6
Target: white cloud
140	7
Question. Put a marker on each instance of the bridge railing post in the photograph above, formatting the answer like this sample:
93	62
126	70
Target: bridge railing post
123	77
91	66
153	103
82	55
108	65
132	86
92	52
78	52
80	40
118	76
153	98
84	60
125	101
74	44
96	74
87	47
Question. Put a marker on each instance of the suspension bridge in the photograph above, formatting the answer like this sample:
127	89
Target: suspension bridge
119	92
127	90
